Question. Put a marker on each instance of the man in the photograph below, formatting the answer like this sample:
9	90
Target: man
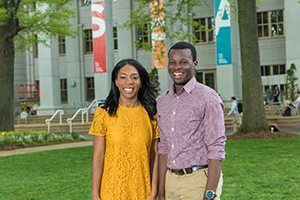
191	124
270	94
237	121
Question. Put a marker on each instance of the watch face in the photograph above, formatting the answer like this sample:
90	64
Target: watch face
210	194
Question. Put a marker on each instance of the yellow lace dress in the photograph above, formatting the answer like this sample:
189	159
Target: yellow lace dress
126	174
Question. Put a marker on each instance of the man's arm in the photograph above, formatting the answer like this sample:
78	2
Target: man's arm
213	176
162	169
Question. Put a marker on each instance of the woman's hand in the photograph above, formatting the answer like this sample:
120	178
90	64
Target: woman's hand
151	197
96	198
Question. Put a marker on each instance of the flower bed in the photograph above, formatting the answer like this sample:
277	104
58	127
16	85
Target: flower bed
26	138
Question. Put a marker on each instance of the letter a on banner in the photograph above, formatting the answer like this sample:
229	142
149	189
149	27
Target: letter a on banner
158	36
99	36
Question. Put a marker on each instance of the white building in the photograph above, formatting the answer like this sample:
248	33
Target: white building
65	75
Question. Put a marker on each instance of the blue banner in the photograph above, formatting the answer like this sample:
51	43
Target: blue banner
223	32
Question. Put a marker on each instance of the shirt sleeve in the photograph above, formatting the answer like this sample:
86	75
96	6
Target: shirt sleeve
214	134
98	127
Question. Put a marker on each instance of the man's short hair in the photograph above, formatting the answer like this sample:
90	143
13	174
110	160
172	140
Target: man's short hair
233	98
185	45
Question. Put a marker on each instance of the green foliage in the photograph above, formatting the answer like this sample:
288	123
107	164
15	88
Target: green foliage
154	78
26	137
178	15
291	86
42	18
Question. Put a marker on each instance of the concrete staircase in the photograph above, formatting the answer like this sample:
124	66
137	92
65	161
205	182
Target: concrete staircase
38	122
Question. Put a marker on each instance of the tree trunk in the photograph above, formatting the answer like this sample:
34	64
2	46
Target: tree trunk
7	55
254	118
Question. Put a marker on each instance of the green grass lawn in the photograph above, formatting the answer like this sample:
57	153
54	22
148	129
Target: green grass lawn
253	169
262	169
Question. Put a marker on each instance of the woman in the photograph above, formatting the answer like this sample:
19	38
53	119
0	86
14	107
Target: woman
125	161
276	94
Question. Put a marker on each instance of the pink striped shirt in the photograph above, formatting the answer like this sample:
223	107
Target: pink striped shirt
191	126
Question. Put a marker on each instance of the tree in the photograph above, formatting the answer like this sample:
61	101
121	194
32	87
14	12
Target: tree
291	86
154	78
22	24
254	118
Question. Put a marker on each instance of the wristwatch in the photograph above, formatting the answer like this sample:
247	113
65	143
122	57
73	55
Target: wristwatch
210	194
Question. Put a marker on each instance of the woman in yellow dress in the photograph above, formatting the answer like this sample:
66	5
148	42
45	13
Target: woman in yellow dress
125	161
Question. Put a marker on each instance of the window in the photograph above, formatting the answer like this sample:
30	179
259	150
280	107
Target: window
270	23
62	45
207	78
144	35
90	91
204	30
63	91
88	41
86	2
269	70
115	35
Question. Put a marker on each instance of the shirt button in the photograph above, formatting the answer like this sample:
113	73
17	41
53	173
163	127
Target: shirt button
173	145
174	112
174	161
172	129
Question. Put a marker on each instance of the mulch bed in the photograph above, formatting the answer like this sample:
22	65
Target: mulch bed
262	135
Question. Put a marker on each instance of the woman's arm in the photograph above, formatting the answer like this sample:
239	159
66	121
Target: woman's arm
97	166
154	169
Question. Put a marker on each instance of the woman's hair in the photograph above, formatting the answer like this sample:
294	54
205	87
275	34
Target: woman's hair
146	94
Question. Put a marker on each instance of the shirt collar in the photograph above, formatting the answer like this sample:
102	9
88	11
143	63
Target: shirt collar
188	87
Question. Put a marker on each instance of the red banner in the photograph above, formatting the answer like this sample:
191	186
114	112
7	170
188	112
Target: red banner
99	37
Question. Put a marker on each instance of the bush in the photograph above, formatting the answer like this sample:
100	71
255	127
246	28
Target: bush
23	138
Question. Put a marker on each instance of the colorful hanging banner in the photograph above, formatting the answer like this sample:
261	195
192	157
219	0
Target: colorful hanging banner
223	32
158	36
99	36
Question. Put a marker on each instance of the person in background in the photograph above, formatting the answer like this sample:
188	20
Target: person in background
192	132
276	95
125	160
237	119
288	104
270	94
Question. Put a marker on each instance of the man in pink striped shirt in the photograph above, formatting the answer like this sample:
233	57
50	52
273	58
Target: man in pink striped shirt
192	132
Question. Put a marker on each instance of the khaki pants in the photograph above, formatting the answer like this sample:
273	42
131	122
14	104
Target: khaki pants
189	186
237	122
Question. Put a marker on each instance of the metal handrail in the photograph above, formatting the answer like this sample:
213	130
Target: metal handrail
61	112
83	111
89	107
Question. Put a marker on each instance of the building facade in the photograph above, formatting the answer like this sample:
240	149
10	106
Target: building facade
64	72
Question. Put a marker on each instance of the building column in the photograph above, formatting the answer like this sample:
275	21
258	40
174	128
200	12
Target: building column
102	80
227	52
48	67
292	28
